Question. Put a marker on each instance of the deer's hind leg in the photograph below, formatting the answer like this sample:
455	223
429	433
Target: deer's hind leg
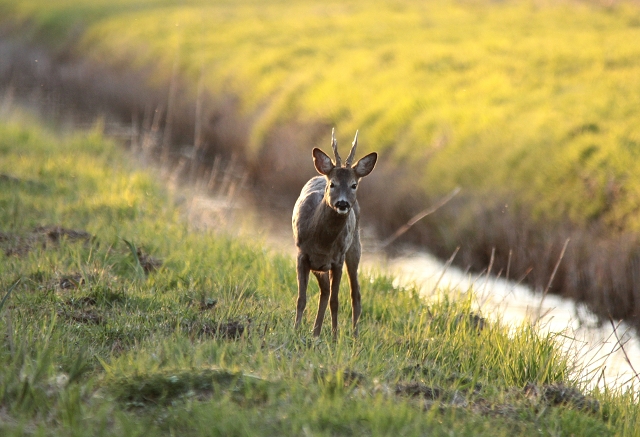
303	270
324	283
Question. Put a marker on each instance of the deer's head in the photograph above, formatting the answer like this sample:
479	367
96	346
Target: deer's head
342	180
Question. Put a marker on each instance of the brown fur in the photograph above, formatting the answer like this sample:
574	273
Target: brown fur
325	229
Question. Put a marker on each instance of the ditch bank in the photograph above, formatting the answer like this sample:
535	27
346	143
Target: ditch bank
194	134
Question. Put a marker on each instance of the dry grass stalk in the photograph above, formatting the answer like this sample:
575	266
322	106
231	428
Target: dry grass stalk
415	219
553	274
626	356
444	270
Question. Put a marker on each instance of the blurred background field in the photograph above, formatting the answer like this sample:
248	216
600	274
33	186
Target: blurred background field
529	106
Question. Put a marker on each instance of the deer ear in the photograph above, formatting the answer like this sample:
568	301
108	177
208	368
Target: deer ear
322	162
365	165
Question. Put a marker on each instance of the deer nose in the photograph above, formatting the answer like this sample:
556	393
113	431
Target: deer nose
342	206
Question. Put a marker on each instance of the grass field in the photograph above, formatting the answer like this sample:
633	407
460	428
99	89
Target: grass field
117	319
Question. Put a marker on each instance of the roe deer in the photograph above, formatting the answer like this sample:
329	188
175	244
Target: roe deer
325	229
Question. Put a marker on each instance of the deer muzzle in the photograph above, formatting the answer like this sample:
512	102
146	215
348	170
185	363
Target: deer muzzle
342	207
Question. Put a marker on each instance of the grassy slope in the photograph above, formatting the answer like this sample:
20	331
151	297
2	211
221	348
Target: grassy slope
91	345
533	100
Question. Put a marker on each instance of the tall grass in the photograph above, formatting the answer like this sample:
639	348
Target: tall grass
99	340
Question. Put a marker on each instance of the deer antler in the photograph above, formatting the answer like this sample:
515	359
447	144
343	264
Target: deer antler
334	145
352	154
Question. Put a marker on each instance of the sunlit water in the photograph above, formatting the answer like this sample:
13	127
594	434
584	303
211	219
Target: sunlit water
604	356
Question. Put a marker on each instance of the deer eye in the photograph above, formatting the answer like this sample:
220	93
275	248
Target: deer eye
331	185
354	186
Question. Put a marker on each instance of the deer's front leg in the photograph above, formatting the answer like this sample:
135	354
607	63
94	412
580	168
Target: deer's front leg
336	275
352	261
303	281
356	306
323	282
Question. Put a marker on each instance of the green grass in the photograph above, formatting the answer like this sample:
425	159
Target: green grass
94	340
530	101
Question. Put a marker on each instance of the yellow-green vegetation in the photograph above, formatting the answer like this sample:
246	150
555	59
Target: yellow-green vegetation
533	101
117	319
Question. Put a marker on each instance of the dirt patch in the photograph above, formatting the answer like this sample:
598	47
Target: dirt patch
347	377
14	180
560	394
88	316
207	303
9	179
148	263
485	408
56	233
419	390
231	330
515	402
82	301
16	244
72	281
82	310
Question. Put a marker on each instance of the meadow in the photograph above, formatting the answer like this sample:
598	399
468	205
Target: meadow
530	107
118	319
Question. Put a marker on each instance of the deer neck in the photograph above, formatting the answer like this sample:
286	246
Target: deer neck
330	222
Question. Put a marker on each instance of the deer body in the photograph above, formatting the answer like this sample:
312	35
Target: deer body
325	229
